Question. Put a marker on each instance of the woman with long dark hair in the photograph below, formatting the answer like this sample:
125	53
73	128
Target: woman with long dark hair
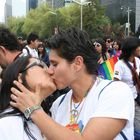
13	124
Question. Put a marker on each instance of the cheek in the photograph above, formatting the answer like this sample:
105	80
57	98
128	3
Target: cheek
63	77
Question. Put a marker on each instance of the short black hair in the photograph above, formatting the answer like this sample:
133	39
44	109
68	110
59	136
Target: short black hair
128	46
8	39
73	42
32	37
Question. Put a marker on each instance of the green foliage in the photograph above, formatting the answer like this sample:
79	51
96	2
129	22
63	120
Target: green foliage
43	20
15	24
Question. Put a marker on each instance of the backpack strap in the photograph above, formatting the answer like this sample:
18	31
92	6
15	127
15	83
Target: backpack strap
121	133
104	88
62	99
27	50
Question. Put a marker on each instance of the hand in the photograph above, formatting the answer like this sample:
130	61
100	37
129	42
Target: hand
23	98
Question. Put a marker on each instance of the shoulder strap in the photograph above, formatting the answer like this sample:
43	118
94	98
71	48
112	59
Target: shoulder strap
27	50
104	88
62	99
123	135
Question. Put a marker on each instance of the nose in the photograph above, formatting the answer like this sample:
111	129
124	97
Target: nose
50	70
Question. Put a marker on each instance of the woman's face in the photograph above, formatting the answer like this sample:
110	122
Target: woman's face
137	52
40	49
98	47
63	72
115	45
37	74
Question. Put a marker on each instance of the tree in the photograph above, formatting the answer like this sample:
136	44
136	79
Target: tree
15	24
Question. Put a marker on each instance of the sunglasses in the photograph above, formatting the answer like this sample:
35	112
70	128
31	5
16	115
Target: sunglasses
108	40
37	63
96	44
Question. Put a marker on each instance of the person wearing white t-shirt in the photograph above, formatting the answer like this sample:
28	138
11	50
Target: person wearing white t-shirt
93	109
123	71
32	45
13	124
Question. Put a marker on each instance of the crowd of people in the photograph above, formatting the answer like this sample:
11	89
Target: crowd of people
86	106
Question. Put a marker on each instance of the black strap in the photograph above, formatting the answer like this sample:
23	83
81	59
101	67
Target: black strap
27	50
123	135
62	99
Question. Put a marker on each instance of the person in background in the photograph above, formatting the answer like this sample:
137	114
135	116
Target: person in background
100	46
21	43
92	106
109	42
117	46
32	45
127	69
13	124
9	50
43	54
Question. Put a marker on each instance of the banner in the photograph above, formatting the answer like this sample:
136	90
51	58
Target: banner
106	69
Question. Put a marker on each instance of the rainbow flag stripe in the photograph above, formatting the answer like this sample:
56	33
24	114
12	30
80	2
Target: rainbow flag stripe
106	69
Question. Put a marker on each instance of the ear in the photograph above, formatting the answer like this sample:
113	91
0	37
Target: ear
78	62
19	78
3	50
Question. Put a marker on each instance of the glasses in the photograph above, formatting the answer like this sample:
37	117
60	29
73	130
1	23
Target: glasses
108	40
96	44
37	63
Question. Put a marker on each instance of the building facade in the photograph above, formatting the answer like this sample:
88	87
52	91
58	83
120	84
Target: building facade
117	9
7	10
137	17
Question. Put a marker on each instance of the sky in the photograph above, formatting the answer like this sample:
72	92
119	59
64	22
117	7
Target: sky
2	2
19	8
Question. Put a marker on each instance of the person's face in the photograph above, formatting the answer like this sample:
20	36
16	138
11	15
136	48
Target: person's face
115	46
37	74
40	49
137	52
98	47
3	60
108	42
63	72
35	43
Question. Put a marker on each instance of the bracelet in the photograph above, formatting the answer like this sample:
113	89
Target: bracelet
28	111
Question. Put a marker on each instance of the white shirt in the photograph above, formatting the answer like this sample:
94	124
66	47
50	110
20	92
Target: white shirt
11	128
32	52
114	102
123	73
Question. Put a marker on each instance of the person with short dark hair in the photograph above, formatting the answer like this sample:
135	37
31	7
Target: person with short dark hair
94	109
32	45
13	124
9	49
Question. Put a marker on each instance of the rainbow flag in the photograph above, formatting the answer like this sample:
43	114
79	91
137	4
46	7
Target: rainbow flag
106	69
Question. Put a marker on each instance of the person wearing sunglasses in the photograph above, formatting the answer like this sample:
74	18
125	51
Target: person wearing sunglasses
100	46
94	109
29	71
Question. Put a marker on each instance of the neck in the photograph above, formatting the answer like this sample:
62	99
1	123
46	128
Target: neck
82	88
12	56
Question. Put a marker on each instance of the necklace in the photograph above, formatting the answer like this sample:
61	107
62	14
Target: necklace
75	113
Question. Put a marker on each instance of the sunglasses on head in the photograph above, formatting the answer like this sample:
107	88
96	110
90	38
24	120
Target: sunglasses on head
96	44
36	63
